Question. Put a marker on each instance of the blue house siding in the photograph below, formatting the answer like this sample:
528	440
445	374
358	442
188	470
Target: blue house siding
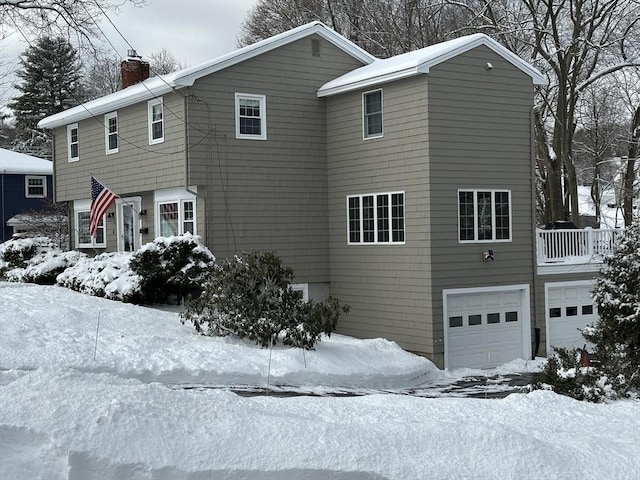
14	200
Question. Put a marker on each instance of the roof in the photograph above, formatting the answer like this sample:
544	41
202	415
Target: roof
19	163
160	85
419	62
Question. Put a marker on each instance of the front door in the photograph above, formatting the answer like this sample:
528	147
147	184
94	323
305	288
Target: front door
129	224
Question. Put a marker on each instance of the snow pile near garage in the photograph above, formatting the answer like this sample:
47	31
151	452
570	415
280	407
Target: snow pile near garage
84	395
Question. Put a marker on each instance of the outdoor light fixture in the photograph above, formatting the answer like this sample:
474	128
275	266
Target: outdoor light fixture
488	255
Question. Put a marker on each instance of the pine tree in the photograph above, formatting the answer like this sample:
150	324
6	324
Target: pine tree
616	334
50	73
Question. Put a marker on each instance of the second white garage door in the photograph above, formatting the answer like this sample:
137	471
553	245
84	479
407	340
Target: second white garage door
569	308
486	327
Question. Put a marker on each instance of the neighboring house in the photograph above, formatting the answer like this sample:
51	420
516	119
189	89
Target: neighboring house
26	183
404	187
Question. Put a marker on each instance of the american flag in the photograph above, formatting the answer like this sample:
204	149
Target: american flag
101	200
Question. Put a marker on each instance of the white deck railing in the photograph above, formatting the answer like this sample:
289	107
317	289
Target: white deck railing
575	246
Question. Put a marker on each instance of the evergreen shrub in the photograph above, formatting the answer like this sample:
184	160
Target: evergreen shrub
250	296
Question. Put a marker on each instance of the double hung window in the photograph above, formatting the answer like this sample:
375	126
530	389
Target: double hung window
35	186
251	116
372	114
111	132
156	121
73	148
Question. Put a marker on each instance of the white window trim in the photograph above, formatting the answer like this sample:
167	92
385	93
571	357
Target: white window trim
107	117
493	191
301	287
375	219
150	105
85	206
364	118
173	195
33	177
263	116
69	143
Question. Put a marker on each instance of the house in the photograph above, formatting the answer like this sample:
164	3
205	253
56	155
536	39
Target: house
26	184
404	186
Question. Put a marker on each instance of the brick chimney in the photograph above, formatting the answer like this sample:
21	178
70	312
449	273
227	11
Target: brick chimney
133	70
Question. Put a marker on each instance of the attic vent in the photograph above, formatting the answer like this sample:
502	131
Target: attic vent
315	47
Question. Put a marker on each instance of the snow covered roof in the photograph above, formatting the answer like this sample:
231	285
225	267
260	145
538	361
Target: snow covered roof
420	61
162	84
19	163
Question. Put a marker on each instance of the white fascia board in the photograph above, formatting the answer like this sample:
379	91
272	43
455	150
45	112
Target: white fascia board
368	82
482	39
144	91
187	77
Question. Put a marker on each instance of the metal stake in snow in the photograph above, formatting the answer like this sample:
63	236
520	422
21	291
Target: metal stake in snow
95	349
269	368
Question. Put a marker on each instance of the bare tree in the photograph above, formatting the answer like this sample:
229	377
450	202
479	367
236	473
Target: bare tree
163	62
382	27
103	75
598	140
56	17
51	221
575	43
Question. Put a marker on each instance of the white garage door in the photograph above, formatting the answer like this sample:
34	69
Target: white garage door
569	308
486	328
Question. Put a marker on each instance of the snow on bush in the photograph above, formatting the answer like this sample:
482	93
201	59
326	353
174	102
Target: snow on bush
34	260
171	267
106	275
250	296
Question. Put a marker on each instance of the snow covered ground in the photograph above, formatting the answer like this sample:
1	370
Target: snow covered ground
88	391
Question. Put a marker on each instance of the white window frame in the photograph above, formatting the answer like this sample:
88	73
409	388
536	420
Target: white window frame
71	143
42	178
108	133
375	219
302	288
263	116
150	105
84	206
365	116
476	227
179	196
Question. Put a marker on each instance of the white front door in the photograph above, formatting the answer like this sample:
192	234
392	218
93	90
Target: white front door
486	327
128	231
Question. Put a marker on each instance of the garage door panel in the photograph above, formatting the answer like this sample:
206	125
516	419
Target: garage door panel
569	310
483	337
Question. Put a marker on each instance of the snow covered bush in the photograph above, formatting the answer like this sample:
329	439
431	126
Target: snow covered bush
36	259
250	296
106	275
171	267
44	267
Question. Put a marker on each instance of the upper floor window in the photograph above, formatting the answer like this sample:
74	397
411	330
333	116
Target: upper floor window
111	132
251	116
372	114
35	187
156	121
72	143
376	218
484	215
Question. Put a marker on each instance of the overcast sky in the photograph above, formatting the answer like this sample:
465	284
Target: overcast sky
193	30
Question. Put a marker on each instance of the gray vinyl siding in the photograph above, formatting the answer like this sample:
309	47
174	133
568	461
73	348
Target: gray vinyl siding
267	194
137	166
479	138
386	286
